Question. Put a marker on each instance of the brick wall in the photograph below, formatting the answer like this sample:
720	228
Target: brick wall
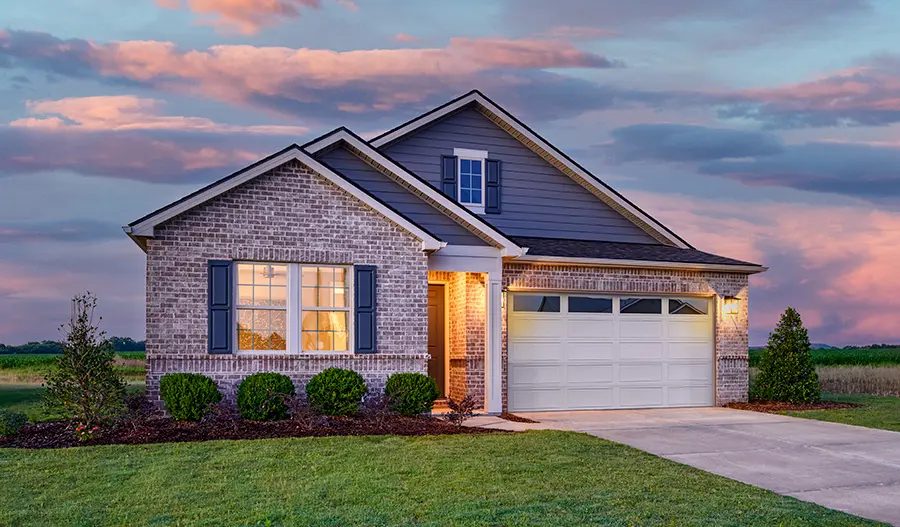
731	332
289	214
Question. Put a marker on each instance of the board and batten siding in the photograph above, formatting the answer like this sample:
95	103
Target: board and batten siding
536	198
408	204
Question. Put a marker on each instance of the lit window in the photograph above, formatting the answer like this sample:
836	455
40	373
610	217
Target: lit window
268	296
471	181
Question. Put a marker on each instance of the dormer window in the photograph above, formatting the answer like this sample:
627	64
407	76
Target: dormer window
470	168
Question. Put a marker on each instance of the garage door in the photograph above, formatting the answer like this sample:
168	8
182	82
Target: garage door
587	351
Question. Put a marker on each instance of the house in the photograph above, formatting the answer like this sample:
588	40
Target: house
460	244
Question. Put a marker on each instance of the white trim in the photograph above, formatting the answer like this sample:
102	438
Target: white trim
469	250
508	246
146	227
477	208
493	349
611	262
470	154
507	118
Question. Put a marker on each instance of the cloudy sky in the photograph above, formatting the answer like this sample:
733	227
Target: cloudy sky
765	130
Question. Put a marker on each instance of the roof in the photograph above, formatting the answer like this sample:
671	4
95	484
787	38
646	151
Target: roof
415	184
542	147
144	227
549	249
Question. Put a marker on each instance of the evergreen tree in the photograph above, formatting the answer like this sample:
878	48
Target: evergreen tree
786	371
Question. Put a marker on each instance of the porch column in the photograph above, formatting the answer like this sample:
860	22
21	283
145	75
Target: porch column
493	396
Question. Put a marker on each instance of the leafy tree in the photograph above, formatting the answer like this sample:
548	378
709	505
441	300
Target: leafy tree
786	371
84	385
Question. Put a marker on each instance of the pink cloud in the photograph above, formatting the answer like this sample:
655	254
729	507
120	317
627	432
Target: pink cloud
129	112
403	37
244	16
836	264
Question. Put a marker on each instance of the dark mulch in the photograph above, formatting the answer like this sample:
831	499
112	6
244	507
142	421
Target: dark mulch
161	429
773	407
517	418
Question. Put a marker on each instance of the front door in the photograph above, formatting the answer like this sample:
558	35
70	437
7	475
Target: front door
436	335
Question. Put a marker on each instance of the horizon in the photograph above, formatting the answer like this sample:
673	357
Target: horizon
780	147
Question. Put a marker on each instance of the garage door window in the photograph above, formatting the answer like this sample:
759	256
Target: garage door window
586	304
688	306
536	304
641	306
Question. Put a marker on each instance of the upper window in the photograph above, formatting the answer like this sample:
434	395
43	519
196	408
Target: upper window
688	306
276	301
589	304
471	176
536	303
643	306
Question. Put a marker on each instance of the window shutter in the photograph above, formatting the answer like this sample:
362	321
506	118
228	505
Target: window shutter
220	292
364	308
492	186
448	176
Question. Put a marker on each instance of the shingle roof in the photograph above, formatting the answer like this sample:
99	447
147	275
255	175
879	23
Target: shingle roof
620	251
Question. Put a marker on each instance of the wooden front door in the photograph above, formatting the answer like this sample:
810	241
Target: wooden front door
436	349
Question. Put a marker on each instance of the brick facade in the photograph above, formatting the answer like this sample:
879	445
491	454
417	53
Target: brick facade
290	214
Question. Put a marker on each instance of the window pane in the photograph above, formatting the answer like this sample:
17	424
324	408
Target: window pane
245	295
326	341
261	296
260	319
465	165
308	297
465	180
325	318
476	196
279	274
646	306
278	321
340	298
476	167
465	196
688	306
245	340
326	276
339	320
245	319
261	340
326	297
261	274
279	296
308	340
340	341
309	321
277	342
534	303
584	304
309	276
245	274
340	277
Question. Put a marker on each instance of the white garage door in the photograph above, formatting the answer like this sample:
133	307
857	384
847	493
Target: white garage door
594	351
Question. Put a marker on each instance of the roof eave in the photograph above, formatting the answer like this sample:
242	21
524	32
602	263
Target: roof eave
653	264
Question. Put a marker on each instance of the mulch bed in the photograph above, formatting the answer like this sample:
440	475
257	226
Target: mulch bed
772	407
161	429
517	418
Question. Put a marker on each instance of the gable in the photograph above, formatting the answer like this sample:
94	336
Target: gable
537	199
355	169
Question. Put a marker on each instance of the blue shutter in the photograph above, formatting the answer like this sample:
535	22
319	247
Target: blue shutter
220	292
448	176
492	186
364	309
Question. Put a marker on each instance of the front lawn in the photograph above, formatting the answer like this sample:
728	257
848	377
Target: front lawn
877	412
29	399
535	478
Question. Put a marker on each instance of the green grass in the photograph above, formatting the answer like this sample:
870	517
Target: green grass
28	398
839	357
536	478
878	412
30	367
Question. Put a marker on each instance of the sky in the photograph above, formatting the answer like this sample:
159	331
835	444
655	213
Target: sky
763	130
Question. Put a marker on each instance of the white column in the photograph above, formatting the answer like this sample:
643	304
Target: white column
493	380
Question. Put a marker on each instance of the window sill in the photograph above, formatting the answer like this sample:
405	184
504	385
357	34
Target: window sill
477	209
249	353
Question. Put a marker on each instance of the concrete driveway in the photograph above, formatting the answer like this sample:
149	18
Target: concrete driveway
848	468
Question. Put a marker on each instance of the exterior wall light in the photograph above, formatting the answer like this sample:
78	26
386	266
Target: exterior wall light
732	303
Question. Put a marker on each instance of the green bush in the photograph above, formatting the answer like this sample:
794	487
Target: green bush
11	422
188	395
336	391
411	394
262	396
786	370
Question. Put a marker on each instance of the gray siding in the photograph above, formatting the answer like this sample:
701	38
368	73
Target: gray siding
398	197
536	198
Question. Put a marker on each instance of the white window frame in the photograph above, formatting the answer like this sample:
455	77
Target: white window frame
471	155
294	311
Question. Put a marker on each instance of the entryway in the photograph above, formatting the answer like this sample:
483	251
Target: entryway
437	367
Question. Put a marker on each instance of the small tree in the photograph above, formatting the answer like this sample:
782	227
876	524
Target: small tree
786	371
84	385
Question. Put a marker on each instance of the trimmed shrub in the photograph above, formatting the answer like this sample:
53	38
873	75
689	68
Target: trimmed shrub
336	391
188	396
11	422
411	394
263	396
786	371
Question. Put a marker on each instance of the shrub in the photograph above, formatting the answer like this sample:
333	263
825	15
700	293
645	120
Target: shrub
336	391
411	394
85	385
11	422
188	396
461	410
786	371
261	396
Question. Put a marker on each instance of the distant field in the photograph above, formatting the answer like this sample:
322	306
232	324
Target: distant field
839	357
30	368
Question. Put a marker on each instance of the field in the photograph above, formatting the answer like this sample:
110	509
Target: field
841	357
534	478
30	368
